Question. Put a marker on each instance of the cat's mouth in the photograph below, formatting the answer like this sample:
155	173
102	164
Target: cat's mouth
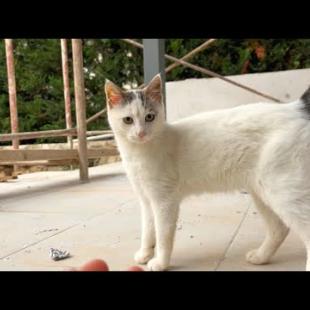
139	140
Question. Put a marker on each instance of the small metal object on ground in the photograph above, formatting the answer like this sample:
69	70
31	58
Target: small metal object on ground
58	254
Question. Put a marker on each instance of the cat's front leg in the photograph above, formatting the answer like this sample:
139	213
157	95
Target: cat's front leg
166	215
146	251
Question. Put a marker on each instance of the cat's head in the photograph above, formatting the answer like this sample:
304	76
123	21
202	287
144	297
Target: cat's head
136	115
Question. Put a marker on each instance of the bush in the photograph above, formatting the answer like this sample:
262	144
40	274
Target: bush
231	57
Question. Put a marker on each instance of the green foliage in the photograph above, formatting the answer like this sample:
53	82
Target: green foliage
231	57
39	75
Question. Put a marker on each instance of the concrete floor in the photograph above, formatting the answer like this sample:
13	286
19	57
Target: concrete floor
101	219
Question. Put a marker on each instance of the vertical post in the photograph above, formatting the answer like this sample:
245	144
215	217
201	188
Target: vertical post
65	75
79	91
154	61
12	89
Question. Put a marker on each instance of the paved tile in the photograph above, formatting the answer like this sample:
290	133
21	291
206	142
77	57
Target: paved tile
101	219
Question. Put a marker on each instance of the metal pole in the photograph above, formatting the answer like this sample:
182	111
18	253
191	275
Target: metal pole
154	61
79	91
66	81
191	54
12	89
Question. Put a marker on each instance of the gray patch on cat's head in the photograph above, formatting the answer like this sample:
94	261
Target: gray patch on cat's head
140	96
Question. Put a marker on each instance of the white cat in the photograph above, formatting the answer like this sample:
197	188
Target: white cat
263	148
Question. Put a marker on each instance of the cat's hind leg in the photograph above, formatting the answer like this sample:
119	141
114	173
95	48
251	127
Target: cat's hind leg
304	234
300	224
293	205
276	233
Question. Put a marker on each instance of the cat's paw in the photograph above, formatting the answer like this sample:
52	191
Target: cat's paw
255	258
144	255
156	265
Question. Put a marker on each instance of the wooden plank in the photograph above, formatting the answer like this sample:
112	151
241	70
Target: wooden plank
97	153
25	163
60	162
12	156
38	134
101	137
48	133
25	155
98	132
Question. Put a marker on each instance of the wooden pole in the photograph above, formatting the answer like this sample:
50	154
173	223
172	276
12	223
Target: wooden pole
65	74
79	91
95	116
12	89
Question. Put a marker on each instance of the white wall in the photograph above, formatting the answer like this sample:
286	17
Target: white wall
192	96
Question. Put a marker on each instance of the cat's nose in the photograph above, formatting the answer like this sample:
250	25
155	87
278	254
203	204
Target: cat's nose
141	134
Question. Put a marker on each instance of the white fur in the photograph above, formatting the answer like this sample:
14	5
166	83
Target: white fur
263	148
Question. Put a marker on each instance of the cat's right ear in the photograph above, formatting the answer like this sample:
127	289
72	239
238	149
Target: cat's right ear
114	94
154	89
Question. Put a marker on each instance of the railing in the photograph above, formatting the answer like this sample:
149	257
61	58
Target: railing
82	154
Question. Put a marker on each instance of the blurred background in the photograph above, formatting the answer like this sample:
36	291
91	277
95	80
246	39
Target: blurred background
39	80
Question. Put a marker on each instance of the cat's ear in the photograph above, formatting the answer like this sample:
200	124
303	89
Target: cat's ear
153	90
114	94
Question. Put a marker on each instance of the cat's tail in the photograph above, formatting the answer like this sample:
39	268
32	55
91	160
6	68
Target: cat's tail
305	99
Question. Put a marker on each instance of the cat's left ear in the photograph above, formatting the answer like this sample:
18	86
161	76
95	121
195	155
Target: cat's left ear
154	89
113	93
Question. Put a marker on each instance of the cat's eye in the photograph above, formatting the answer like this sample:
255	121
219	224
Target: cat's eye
128	120
149	117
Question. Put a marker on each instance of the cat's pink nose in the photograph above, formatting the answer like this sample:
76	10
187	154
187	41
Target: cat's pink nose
141	134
